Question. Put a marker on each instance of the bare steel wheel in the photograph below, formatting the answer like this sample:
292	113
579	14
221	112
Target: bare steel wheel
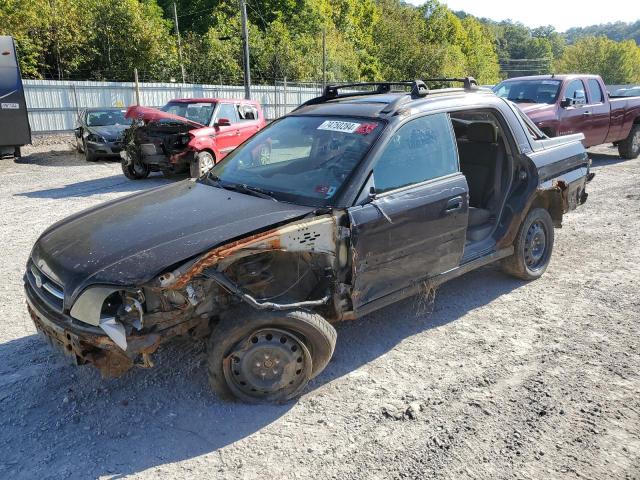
267	356
269	365
535	245
532	247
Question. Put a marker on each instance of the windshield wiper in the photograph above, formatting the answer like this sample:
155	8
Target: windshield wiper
523	100
239	187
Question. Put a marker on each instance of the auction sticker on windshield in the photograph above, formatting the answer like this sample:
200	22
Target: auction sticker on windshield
338	126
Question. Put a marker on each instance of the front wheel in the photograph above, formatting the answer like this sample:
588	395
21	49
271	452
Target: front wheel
135	170
201	164
264	356
629	148
533	246
88	155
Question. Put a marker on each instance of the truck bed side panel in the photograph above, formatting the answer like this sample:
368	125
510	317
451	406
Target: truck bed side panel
624	111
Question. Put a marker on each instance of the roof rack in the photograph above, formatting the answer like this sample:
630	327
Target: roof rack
419	89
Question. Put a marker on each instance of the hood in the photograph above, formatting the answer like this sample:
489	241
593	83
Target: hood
149	114
109	132
130	240
538	111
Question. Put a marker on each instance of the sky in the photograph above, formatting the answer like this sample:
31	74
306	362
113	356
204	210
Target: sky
562	14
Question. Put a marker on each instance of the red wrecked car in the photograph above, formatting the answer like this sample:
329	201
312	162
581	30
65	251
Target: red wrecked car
187	134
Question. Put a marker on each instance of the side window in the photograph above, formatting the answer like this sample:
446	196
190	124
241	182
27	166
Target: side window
228	111
595	92
247	112
420	150
575	91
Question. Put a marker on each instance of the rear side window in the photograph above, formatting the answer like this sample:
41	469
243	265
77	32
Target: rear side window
247	112
595	92
422	149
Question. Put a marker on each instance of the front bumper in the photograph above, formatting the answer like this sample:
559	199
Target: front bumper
84	344
108	149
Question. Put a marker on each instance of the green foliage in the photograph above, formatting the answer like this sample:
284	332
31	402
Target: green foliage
365	40
616	62
617	31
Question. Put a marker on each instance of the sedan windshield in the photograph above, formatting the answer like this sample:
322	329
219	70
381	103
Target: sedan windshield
528	91
303	160
106	118
196	112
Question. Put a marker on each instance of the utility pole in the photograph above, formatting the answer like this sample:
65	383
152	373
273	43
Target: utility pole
175	22
137	85
245	42
324	58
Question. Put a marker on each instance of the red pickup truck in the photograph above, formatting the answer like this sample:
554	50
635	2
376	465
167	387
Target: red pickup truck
187	134
565	104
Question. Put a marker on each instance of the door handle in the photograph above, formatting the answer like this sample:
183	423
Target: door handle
453	204
237	132
586	113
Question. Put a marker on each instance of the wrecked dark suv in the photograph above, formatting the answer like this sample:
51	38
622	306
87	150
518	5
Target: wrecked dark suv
350	203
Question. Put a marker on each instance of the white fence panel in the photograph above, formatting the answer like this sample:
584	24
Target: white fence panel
53	105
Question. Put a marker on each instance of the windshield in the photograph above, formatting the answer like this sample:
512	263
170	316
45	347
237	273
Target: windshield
107	117
528	91
196	112
303	160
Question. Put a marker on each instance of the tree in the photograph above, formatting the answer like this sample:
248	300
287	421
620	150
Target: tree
615	62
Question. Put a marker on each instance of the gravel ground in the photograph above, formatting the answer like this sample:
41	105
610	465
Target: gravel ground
503	379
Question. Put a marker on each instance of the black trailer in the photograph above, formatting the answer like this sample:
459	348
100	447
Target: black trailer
14	122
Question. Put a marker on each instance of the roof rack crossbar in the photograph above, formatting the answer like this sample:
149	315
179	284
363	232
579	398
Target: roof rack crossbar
418	89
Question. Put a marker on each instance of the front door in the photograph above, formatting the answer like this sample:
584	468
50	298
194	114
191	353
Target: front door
415	226
227	136
574	116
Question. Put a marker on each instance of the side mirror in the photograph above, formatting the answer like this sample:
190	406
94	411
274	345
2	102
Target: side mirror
78	132
372	193
567	102
223	122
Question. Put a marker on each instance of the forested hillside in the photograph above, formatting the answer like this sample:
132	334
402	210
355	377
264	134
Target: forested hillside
365	40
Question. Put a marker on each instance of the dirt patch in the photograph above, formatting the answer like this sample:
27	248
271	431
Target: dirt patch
502	379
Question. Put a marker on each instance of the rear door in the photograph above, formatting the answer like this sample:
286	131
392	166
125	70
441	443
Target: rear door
415	226
249	122
227	136
597	114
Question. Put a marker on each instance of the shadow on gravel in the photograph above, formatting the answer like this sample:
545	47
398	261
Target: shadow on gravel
54	158
601	159
78	422
114	183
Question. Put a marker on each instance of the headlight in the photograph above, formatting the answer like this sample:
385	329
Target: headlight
92	137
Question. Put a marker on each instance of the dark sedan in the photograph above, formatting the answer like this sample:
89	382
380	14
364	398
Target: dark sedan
100	132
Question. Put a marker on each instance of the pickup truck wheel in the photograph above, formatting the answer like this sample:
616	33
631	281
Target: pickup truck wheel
135	170
265	356
201	164
533	246
629	148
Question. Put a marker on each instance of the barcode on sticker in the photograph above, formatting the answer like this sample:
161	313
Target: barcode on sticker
338	126
10	106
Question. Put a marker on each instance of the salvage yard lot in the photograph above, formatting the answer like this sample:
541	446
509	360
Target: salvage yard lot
499	379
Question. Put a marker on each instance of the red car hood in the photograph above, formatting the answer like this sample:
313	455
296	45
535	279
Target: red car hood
149	114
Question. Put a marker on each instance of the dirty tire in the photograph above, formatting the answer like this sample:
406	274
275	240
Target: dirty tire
88	156
629	148
135	171
17	153
201	164
240	324
528	261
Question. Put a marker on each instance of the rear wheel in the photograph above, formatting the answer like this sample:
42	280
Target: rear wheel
264	356
201	164
135	170
629	148
533	246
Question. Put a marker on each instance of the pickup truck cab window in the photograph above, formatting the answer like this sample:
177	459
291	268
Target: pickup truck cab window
422	149
595	92
575	92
